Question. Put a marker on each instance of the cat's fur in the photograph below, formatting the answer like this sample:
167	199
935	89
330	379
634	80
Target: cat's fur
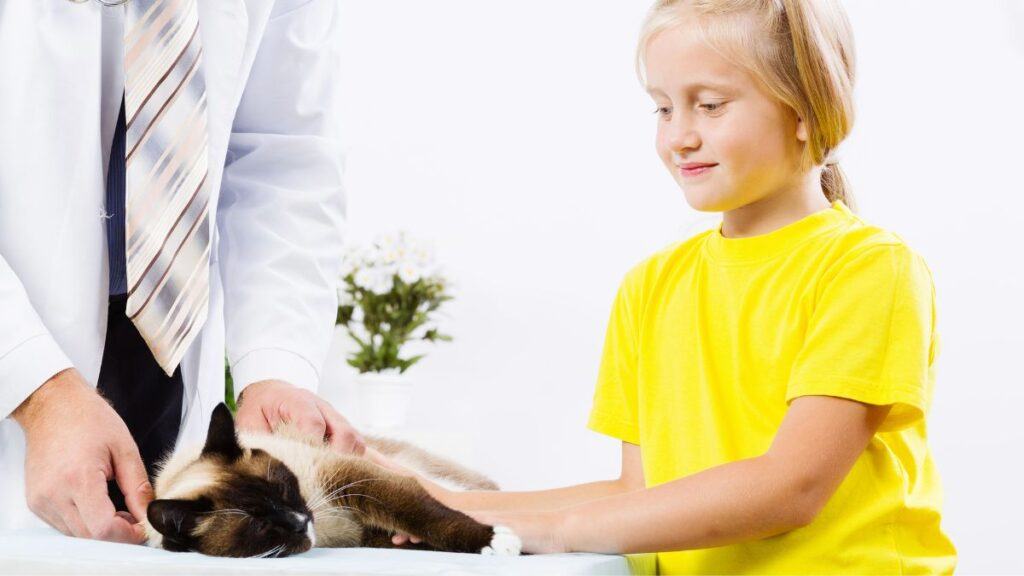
278	494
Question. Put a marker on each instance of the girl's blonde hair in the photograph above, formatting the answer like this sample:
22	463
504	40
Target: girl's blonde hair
801	50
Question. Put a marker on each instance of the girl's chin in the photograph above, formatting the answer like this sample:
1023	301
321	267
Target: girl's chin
705	200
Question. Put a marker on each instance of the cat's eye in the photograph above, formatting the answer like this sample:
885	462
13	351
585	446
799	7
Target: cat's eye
260	526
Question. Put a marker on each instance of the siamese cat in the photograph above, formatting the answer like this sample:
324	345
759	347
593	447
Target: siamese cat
273	495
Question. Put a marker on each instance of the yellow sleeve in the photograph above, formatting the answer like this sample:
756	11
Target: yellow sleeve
614	411
872	336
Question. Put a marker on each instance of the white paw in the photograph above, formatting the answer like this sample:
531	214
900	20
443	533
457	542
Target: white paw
504	543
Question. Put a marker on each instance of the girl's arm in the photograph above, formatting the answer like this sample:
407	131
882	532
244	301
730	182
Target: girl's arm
816	445
631	478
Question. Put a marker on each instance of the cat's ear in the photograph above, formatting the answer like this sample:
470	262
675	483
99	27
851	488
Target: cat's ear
176	519
221	439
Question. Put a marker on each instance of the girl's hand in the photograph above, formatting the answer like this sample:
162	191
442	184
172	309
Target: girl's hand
540	532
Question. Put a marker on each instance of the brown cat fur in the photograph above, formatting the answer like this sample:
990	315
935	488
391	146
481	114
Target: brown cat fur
251	495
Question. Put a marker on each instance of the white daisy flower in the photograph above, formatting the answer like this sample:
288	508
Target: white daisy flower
365	278
409	273
382	283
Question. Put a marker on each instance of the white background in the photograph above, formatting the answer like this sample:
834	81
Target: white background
515	137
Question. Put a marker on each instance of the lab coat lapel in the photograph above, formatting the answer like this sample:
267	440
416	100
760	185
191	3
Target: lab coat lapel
224	28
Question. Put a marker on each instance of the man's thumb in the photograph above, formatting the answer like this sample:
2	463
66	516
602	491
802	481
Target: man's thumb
133	481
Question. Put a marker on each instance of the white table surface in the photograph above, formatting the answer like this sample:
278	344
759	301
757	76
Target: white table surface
45	551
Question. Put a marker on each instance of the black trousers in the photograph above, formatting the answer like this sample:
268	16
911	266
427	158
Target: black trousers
147	400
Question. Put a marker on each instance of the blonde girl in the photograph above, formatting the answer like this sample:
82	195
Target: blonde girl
768	378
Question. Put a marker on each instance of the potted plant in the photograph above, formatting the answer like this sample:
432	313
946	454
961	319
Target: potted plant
389	297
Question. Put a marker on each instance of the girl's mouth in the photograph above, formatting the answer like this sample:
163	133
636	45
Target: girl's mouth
695	171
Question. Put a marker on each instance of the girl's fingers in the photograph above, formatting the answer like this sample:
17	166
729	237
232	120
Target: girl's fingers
400	539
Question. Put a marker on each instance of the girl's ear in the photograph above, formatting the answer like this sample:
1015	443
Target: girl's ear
801	129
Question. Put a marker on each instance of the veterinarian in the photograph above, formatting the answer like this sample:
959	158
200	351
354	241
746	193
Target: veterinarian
170	192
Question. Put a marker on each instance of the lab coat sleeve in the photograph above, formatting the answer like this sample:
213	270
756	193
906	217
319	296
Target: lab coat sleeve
281	210
29	355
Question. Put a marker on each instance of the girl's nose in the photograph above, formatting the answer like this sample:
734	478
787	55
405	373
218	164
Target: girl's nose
682	136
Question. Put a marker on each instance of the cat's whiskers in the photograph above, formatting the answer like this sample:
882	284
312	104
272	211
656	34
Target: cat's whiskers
272	552
364	496
322	496
335	512
229	512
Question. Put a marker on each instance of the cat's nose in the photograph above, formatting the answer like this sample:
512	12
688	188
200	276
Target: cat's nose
297	522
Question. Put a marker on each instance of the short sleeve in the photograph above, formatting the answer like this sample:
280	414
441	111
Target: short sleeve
871	336
614	411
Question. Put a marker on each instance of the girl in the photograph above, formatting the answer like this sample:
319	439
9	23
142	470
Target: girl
769	378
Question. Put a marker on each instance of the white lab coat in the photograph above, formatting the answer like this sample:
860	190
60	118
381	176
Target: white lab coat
276	172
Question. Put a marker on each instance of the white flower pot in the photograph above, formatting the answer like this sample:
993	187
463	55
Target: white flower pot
383	401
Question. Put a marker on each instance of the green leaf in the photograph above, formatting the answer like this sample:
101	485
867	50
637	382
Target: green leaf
229	387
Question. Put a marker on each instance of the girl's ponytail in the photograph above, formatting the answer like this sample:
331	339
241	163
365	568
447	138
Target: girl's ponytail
823	56
836	186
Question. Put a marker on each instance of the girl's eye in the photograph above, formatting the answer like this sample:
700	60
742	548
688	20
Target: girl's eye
712	107
663	111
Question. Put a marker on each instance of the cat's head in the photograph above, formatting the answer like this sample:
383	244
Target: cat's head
233	501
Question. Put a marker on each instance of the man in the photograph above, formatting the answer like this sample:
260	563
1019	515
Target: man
170	189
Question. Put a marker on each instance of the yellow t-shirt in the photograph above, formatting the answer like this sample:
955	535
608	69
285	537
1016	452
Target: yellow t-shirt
710	339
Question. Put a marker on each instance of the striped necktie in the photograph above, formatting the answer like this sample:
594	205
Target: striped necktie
167	232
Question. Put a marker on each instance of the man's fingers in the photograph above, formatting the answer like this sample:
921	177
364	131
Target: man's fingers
307	418
93	504
73	522
347	442
132	479
127	516
251	419
51	514
43	507
343	437
60	525
114	529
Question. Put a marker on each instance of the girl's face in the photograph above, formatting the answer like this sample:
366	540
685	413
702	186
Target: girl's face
713	112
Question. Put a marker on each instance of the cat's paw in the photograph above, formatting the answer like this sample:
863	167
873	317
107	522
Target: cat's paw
504	543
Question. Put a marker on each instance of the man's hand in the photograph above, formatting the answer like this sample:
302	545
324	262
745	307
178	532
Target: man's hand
76	442
265	404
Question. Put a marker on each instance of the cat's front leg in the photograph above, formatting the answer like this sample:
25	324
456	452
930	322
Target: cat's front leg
394	503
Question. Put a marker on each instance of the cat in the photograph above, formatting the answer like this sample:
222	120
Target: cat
274	495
